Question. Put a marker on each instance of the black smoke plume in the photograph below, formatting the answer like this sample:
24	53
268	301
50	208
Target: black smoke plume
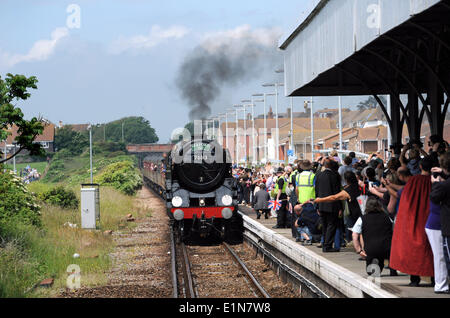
227	60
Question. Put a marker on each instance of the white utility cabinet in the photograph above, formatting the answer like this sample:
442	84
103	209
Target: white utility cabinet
90	206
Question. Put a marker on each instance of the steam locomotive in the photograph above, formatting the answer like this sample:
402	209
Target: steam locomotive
195	179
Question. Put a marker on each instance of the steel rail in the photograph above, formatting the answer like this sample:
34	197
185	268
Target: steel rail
244	268
187	275
173	257
302	281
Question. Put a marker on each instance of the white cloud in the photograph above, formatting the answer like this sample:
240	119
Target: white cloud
267	37
40	51
156	36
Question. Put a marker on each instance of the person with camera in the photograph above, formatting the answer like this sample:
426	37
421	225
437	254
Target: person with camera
438	147
440	196
412	163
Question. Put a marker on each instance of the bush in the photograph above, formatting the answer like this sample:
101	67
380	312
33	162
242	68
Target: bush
61	197
68	139
109	146
122	176
16	202
56	171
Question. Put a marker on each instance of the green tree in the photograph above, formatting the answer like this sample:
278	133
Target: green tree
371	103
136	130
67	138
13	89
190	128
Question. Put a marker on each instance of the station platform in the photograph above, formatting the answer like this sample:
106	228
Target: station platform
342	270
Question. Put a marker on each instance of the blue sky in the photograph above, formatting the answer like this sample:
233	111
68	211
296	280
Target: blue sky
124	58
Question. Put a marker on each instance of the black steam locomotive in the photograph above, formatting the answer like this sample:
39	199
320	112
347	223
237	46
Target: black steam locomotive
195	179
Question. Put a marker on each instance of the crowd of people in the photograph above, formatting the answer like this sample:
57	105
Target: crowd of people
29	175
395	214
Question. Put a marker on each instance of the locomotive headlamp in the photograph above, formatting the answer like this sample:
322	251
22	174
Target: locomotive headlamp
227	213
178	215
227	200
202	202
177	202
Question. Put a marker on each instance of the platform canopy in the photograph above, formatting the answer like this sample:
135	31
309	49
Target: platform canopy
376	47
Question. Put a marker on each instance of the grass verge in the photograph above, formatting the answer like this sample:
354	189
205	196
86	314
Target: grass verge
39	166
29	254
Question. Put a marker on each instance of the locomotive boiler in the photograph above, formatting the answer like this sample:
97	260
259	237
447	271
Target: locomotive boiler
195	179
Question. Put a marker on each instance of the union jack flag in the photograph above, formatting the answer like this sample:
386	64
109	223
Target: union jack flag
276	205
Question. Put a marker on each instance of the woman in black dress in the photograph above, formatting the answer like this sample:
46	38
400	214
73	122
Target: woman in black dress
377	229
350	193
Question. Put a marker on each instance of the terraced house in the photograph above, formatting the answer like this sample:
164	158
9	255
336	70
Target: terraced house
46	139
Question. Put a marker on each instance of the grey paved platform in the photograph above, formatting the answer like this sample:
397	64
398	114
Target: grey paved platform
348	259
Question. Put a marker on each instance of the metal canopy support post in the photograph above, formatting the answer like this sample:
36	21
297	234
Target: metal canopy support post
435	98
340	123
396	126
414	123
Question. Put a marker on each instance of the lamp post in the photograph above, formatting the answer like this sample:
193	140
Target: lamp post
208	126
311	102
304	146
229	110
219	117
265	125
276	85
215	132
252	105
281	71
237	107
265	121
245	132
90	150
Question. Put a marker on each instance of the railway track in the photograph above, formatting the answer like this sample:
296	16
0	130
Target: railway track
218	271
212	271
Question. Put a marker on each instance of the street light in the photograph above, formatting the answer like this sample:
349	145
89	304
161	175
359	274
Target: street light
229	110
245	131
208	126
252	105
219	117
281	71
276	85
304	146
258	143
265	120
90	149
312	124
238	107
215	132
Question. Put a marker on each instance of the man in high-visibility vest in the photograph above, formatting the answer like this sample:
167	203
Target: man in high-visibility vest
305	183
305	188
